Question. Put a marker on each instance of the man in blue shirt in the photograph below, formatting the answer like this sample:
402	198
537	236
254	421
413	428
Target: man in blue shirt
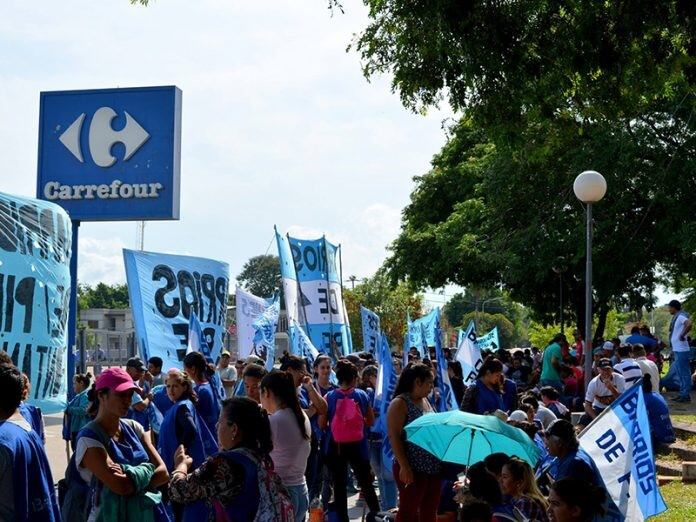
636	338
658	414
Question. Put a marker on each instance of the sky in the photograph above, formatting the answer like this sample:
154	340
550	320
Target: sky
279	124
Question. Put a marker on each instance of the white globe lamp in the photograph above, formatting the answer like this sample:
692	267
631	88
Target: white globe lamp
590	186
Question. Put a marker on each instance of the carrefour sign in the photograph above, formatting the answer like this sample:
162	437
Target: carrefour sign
111	154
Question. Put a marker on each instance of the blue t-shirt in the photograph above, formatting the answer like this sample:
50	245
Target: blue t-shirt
658	418
509	395
207	406
647	342
363	401
487	400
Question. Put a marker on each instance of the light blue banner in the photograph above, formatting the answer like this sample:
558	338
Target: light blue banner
446	400
35	250
164	291
414	336
313	293
301	344
371	330
265	328
386	384
490	341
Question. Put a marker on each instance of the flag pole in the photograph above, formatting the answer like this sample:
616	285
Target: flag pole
299	289
328	292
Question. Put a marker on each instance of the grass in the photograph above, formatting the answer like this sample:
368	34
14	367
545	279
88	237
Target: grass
684	418
681	502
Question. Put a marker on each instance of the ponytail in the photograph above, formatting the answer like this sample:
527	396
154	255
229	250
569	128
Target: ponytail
201	367
281	384
252	421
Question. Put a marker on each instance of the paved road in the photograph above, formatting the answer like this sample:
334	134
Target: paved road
55	449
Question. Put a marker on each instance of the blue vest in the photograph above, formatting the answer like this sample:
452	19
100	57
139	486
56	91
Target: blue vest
32	415
129	450
34	496
208	405
244	506
487	400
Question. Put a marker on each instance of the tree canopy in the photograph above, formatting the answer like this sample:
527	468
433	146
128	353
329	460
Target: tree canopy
102	296
260	275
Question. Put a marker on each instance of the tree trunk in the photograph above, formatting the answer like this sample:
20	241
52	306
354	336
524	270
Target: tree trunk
603	311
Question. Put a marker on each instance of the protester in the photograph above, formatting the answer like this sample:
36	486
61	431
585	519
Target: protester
26	484
138	411
519	373
183	426
384	475
574	500
253	373
550	398
116	452
551	364
208	404
541	413
227	374
484	396
311	401
76	411
31	413
658	414
238	483
483	486
627	366
290	431
679	327
517	483
508	390
317	474
601	391
569	461
637	337
647	366
416	471
349	414
239	366
456	377
154	371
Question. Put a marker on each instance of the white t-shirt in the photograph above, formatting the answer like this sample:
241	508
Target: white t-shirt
545	416
630	370
649	367
597	389
84	443
290	448
677	344
228	374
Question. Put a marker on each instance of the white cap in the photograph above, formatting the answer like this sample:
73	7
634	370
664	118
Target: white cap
608	345
518	416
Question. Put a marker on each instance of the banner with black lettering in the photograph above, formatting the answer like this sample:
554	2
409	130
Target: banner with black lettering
164	291
371	331
313	293
35	249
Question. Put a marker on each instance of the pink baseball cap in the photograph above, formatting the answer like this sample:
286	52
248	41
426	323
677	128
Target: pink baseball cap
115	379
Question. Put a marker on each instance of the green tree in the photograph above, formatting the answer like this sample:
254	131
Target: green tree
485	322
503	214
391	303
260	275
102	296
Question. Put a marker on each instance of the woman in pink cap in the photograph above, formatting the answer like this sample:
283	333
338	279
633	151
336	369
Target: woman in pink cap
114	451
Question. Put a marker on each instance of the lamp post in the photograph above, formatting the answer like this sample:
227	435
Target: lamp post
589	187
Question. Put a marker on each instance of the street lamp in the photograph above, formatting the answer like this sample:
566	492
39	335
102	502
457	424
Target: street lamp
589	187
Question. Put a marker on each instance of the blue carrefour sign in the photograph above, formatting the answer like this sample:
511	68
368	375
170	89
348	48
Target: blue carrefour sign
111	154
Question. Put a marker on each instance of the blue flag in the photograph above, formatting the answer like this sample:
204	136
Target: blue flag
619	444
490	341
386	383
265	328
301	344
447	400
371	331
196	339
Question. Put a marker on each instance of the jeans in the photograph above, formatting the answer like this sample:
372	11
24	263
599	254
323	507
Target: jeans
300	501
671	381
681	361
385	479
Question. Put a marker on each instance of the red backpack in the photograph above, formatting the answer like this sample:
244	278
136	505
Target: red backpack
348	423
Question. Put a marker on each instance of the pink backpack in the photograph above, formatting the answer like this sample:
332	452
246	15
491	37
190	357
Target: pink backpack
347	424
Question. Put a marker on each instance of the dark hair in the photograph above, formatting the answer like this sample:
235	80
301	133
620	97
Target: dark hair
282	385
483	485
528	427
156	361
83	378
294	362
93	397
369	370
254	370
580	493
184	379
565	431
346	371
456	368
320	359
490	365
202	367
635	329
550	392
638	350
252	421
12	386
532	401
409	375
624	350
495	461
475	511
5	358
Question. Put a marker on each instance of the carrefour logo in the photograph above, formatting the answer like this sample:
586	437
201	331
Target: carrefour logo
102	137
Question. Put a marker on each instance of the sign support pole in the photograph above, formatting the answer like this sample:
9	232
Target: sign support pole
72	316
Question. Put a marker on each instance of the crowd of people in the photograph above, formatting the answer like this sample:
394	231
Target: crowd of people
239	443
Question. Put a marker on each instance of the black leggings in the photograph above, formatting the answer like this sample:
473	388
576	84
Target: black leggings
340	456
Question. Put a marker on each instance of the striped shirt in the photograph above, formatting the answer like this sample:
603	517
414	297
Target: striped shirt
630	370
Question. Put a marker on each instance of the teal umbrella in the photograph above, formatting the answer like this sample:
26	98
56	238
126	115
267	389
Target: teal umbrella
466	438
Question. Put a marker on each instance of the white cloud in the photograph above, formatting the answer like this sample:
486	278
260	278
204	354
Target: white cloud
100	261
